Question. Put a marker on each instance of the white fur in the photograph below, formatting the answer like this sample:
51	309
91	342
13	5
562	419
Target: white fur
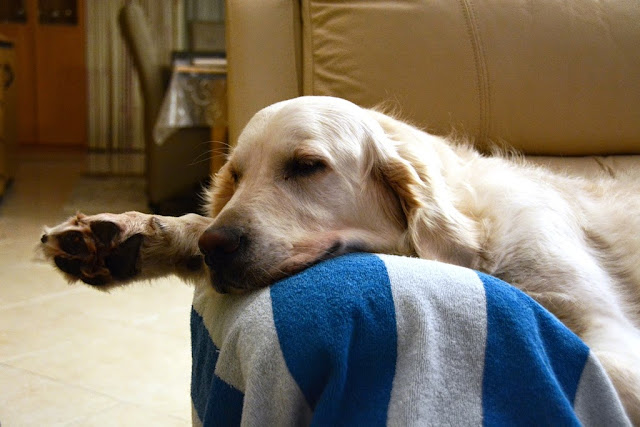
572	244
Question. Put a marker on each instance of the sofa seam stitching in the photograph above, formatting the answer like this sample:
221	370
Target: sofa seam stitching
483	86
306	14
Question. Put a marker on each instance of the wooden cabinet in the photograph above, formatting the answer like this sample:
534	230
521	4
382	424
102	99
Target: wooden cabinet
8	128
49	37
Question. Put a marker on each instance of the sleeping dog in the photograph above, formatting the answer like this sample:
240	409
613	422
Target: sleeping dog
316	177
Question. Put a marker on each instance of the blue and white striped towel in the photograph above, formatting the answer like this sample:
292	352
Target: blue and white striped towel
383	340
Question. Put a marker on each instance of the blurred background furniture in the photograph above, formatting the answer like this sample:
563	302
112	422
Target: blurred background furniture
49	38
207	36
8	113
176	169
196	97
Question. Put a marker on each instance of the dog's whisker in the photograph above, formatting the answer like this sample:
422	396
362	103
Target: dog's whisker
206	157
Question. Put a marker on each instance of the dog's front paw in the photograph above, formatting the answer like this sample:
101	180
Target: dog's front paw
101	250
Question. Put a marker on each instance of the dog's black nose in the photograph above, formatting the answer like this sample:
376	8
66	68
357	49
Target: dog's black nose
219	245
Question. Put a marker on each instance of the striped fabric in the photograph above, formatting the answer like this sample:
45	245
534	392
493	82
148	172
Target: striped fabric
382	340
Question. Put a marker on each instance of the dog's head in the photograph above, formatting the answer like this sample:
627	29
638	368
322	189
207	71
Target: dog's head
309	179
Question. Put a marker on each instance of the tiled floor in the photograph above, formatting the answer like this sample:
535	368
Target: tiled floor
73	356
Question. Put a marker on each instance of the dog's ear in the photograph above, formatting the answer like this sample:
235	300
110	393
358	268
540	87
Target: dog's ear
409	164
220	192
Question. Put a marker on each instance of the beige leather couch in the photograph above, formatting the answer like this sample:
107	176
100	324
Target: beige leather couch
548	77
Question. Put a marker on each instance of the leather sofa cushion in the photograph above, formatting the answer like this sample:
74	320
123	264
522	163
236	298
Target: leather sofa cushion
591	167
547	77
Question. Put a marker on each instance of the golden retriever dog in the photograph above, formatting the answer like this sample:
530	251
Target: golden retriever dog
316	177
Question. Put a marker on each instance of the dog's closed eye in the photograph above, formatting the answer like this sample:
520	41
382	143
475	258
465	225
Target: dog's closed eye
300	167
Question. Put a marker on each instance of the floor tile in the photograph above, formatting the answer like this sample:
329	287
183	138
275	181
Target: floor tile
162	305
127	364
28	399
124	415
70	355
25	280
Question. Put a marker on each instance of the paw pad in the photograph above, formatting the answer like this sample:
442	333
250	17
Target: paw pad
72	242
105	232
93	251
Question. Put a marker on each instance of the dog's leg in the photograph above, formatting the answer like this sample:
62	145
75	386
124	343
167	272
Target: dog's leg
108	250
617	346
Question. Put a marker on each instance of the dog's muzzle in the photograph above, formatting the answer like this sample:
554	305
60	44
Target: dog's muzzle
222	247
